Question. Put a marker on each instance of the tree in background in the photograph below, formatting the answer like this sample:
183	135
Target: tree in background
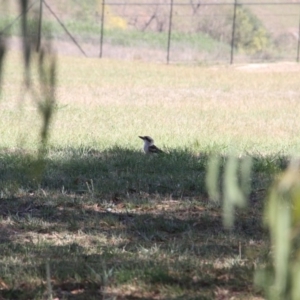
250	35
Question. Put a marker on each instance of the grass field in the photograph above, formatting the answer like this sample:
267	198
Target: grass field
112	223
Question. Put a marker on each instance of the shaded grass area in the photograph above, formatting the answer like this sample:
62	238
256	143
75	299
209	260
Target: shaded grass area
118	224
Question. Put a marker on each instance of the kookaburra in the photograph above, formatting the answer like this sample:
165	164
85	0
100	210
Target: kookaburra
149	146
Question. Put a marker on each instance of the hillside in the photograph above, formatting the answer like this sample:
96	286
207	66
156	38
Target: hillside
280	16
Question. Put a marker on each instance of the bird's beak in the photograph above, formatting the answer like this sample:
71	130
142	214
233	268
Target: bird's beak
141	137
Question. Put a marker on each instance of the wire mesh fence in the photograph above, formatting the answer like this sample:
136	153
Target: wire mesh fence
163	30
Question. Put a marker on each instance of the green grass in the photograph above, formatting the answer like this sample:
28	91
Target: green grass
113	222
134	38
199	109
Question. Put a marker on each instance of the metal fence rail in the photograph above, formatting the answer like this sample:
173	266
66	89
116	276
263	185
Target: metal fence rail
191	31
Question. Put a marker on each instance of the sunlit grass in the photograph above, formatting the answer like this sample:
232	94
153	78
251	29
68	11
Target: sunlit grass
105	103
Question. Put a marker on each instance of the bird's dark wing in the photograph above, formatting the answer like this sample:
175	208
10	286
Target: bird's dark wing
154	149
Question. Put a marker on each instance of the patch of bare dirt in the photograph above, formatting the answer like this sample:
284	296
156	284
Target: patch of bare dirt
271	67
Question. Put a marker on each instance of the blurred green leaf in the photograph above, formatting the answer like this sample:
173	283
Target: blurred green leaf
2	55
233	194
212	178
26	41
296	280
281	216
236	184
296	206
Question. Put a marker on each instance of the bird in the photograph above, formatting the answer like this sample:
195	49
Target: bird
149	146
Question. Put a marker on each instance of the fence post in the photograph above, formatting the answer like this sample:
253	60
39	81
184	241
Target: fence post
102	27
170	31
233	31
38	44
298	47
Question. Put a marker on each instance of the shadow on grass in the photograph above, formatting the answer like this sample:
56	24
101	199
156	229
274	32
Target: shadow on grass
116	170
125	225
